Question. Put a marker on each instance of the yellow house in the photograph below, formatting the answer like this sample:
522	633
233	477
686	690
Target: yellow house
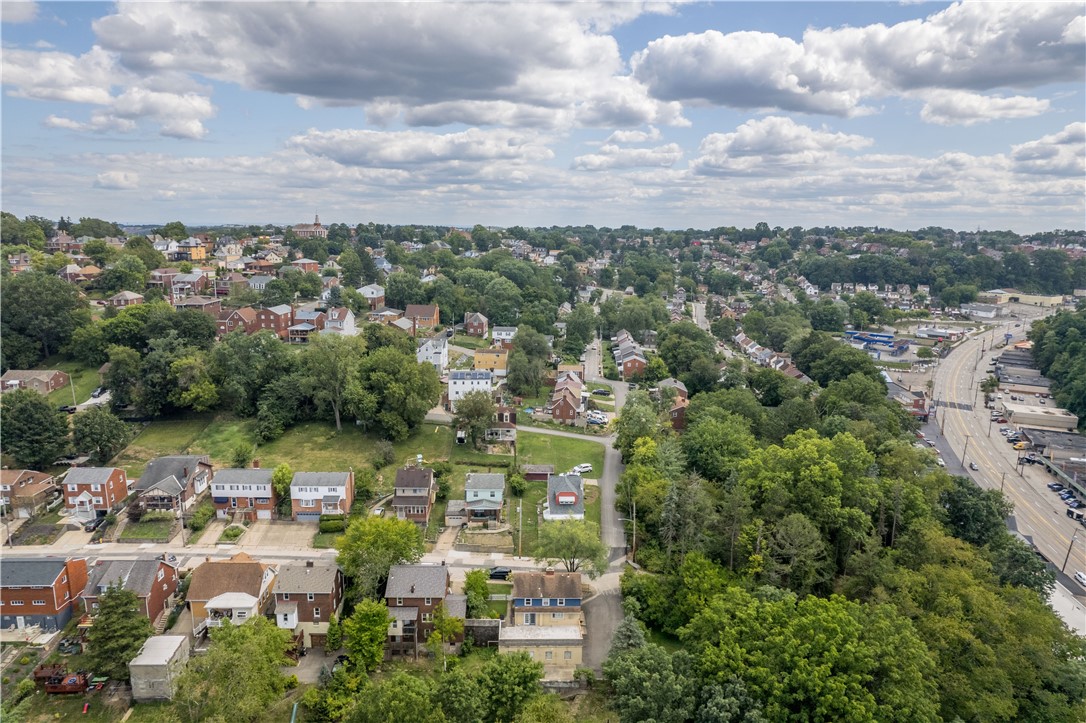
241	575
558	647
494	360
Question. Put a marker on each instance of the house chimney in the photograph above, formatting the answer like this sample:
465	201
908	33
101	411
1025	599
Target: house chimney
443	563
256	464
185	473
549	572
309	563
412	588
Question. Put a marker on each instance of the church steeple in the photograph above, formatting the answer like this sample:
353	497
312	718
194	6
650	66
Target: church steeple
316	219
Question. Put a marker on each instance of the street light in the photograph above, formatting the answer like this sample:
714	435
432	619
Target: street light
1068	556
966	448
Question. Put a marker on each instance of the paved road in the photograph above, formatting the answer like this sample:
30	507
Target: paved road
965	427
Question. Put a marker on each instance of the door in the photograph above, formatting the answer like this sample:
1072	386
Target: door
20	622
263	514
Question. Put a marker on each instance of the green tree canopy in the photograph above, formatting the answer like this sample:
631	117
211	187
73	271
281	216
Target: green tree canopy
372	545
35	433
574	543
119	631
100	432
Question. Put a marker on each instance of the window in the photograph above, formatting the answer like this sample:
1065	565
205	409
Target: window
529	618
567	655
96	488
492	493
550	655
97	500
316	612
286	618
286	596
309	503
241	614
20	602
428	601
309	597
546	602
399	602
39	602
66	595
427	617
557	616
561	602
73	488
161	574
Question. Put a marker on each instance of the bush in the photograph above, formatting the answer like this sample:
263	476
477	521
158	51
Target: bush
384	454
292	682
332	526
518	485
242	454
25	660
201	515
5	680
332	518
365	479
232	533
174	615
443	488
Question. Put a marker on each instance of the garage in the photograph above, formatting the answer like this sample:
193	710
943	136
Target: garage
308	516
263	514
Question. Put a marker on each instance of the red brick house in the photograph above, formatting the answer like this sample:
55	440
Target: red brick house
414	493
40	591
125	298
243	319
153	581
25	491
306	597
40	380
307	265
423	316
413	593
226	285
247	493
475	324
563	406
277	318
91	492
678	414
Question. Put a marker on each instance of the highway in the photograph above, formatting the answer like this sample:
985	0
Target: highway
968	436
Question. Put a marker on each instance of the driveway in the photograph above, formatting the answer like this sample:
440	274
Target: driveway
602	614
283	534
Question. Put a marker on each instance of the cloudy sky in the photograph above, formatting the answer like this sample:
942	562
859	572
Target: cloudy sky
658	114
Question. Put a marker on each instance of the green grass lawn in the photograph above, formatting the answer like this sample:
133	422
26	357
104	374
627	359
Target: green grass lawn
157	529
159	438
326	540
84	378
562	452
469	342
668	642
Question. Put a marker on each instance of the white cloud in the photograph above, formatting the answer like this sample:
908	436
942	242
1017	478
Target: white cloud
410	148
612	156
959	107
770	145
620	136
85	78
1058	154
117	180
970	47
18	12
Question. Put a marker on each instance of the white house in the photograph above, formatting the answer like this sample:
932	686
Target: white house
244	489
434	350
340	320
237	607
462	382
503	333
313	494
565	497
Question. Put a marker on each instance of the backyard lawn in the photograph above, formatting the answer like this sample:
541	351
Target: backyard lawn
84	378
469	342
147	529
562	452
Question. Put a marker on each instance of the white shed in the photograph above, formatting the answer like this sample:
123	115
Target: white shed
156	668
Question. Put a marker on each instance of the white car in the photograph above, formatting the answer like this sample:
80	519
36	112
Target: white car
1080	578
581	468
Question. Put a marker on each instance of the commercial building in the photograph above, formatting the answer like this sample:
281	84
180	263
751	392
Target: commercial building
1038	417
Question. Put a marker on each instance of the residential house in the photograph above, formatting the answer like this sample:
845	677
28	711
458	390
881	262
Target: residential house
484	495
503	335
434	350
414	493
247	493
243	319
40	380
259	282
565	497
174	482
503	428
278	319
494	360
27	492
307	266
311	230
384	315
155	670
190	284
413	593
423	316
563	406
405	325
71	273
124	298
463	382
154	582
239	589
40	591
307	322
672	383
313	494
19	263
230	283
374	294
548	623
340	320
677	413
307	595
91	492
475	324
210	305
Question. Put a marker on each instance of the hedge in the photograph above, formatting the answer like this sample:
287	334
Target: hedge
332	525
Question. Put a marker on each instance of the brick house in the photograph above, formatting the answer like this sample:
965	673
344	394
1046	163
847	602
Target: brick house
278	319
475	324
247	493
243	319
210	305
153	581
374	295
413	593
91	492
40	380
307	266
237	589
25	491
313	494
414	493
174	482
125	298
677	413
563	406
306	597
230	283
422	316
40	591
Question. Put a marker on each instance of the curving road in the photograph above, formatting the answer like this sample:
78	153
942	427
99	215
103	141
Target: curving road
964	423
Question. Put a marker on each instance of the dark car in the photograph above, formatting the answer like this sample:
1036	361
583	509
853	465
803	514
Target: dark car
602	392
66	408
94	524
500	573
98	392
1055	486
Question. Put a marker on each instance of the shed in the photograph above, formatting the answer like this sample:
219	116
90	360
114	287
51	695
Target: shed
156	668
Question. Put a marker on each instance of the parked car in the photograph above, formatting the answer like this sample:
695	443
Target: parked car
66	408
1080	578
596	421
94	524
973	466
939	461
1055	486
582	468
1020	445
500	573
602	392
98	392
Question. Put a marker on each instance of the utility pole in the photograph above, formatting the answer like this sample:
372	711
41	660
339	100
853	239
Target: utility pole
1002	481
520	528
1068	556
635	529
71	383
966	448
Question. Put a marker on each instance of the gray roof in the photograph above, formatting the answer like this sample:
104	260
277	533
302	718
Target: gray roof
259	278
319	479
537	468
280	309
504	330
471	375
297	578
160	468
170	486
159	649
456	606
410	581
25	572
243	476
672	382
482	481
565	483
135	575
403	614
89	475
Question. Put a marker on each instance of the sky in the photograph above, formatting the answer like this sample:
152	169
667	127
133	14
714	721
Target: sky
677	115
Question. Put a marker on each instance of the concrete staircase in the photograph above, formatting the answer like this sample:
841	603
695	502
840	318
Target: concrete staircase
160	621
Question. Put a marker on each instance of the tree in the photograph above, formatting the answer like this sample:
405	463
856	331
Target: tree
96	228
281	478
365	632
123	375
474	414
446	628
461	699
574	543
975	515
120	629
796	555
371	545
547	708
332	363
351	267
242	454
637	419
477	592
35	433
40	311
402	697
715	444
508	681
525	375
174	230
333	638
192	384
239	677
100	432
650	684
99	251
629	634
502	301
398	391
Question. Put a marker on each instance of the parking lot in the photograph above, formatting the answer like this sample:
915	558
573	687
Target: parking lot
279	533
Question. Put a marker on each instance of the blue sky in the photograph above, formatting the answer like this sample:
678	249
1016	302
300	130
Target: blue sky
666	114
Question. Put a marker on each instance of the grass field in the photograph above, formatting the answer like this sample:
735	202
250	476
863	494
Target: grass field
562	452
150	529
469	342
84	379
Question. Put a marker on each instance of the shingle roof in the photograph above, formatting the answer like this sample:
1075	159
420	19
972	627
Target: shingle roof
558	483
482	481
297	578
549	585
240	573
160	468
537	468
89	475
412	477
409	581
134	575
319	479
426	310
456	606
279	309
244	476
170	486
17	572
